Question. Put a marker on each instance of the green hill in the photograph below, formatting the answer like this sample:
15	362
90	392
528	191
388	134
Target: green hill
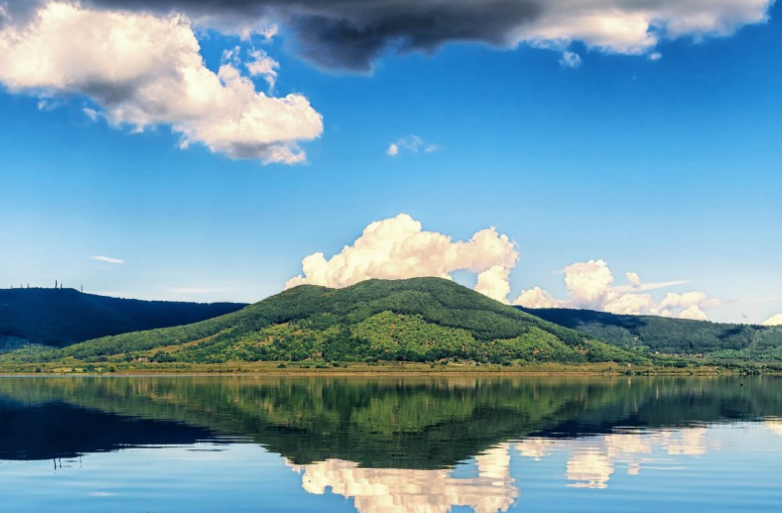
421	319
652	334
61	317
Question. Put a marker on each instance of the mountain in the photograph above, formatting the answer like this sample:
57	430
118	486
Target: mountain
650	334
420	319
61	317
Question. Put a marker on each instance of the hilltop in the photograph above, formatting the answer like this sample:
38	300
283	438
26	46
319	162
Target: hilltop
62	317
420	319
651	334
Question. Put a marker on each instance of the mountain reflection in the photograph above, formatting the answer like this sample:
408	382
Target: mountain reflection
385	423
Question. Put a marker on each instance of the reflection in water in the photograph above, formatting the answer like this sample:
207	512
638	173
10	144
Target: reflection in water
387	445
592	460
416	491
775	426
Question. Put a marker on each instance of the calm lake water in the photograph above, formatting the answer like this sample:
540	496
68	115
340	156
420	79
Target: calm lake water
402	445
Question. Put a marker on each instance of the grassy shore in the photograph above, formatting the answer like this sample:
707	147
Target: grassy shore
351	368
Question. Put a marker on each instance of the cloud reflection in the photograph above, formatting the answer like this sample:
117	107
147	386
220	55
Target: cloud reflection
388	490
592	461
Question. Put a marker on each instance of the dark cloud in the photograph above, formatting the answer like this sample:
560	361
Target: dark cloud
350	34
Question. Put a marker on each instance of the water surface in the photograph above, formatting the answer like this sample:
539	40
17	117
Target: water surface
390	445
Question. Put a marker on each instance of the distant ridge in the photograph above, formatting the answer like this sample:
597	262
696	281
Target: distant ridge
61	317
651	334
419	319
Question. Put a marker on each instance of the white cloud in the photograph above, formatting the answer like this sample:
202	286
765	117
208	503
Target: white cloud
107	259
775	320
264	66
412	144
145	70
589	283
591	286
538	298
625	27
655	56
494	282
570	60
398	248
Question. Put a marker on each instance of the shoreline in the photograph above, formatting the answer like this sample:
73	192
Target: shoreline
273	369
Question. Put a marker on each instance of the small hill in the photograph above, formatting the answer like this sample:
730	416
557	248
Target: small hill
652	334
61	317
421	319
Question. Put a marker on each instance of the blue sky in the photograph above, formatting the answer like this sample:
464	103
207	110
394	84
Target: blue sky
661	160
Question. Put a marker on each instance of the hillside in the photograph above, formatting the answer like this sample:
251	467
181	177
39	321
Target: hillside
61	317
652	334
421	319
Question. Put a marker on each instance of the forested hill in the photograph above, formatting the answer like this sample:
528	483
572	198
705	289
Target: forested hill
671	336
421	319
61	317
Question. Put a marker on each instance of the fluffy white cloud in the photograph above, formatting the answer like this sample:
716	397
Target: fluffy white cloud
538	298
399	248
775	320
589	283
145	70
494	282
591	286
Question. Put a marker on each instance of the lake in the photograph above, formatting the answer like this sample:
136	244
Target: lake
390	445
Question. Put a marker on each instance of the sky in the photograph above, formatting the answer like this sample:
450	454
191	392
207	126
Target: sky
618	155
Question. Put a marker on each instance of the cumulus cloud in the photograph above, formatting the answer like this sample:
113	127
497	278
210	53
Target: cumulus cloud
399	248
108	260
145	70
412	144
775	320
591	286
353	34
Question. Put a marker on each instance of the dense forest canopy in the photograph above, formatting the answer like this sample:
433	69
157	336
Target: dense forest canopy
650	334
61	317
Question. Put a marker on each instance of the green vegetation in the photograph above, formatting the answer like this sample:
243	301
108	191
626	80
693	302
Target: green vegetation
651	335
416	320
61	317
